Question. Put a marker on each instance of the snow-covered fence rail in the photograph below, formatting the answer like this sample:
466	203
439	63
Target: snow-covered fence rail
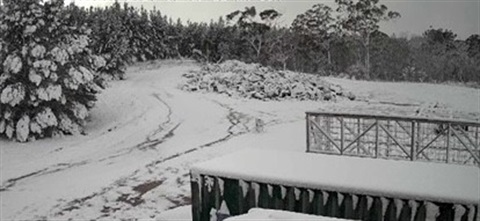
334	186
380	136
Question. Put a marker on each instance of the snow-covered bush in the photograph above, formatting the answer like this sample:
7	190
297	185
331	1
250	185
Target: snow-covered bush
47	71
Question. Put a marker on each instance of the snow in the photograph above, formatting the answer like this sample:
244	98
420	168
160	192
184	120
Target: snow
454	100
52	92
12	94
144	134
376	177
182	213
268	214
22	128
12	64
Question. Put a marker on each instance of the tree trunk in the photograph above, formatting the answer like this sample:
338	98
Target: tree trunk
367	55
329	57
258	49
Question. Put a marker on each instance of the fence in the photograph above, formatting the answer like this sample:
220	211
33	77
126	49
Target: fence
407	138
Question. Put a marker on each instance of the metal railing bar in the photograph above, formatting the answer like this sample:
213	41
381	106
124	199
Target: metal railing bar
398	117
326	135
403	128
431	142
359	136
395	140
466	147
464	133
468	159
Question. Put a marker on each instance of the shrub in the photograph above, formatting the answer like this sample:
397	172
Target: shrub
47	72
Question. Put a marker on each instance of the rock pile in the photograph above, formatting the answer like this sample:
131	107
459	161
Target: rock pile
236	78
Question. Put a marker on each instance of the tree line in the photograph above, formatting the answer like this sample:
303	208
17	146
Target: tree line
329	41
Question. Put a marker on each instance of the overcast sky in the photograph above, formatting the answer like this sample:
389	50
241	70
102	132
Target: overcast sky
460	16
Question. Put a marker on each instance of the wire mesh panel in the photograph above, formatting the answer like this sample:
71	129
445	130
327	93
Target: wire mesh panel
393	137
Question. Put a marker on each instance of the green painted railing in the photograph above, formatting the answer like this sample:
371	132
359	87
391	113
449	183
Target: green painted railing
210	192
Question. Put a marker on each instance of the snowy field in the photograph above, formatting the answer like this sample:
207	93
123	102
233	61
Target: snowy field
145	133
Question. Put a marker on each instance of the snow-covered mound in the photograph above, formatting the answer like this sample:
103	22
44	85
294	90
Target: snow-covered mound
236	78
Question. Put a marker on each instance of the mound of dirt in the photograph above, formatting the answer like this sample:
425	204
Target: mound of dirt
236	78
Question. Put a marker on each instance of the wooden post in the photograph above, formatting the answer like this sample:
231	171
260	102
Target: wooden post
406	212
376	138
206	203
317	203
328	123
332	208
417	138
475	212
449	133
250	201
346	208
277	197
305	201
466	214
477	144
447	212
375	212
361	211
217	198
387	153
307	120
421	214
231	195
290	199
391	212
358	132
342	136
196	202
413	152
263	196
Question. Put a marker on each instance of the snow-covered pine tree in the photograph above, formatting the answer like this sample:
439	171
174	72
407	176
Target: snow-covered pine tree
46	71
110	39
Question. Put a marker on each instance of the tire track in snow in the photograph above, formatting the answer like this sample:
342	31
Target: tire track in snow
238	126
11	182
235	119
149	143
45	171
129	198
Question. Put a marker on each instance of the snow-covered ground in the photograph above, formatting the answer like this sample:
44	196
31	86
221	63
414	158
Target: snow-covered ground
145	133
272	215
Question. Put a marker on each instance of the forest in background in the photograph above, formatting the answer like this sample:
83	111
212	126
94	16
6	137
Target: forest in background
343	41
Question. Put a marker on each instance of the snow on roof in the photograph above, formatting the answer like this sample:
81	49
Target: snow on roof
389	178
268	214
